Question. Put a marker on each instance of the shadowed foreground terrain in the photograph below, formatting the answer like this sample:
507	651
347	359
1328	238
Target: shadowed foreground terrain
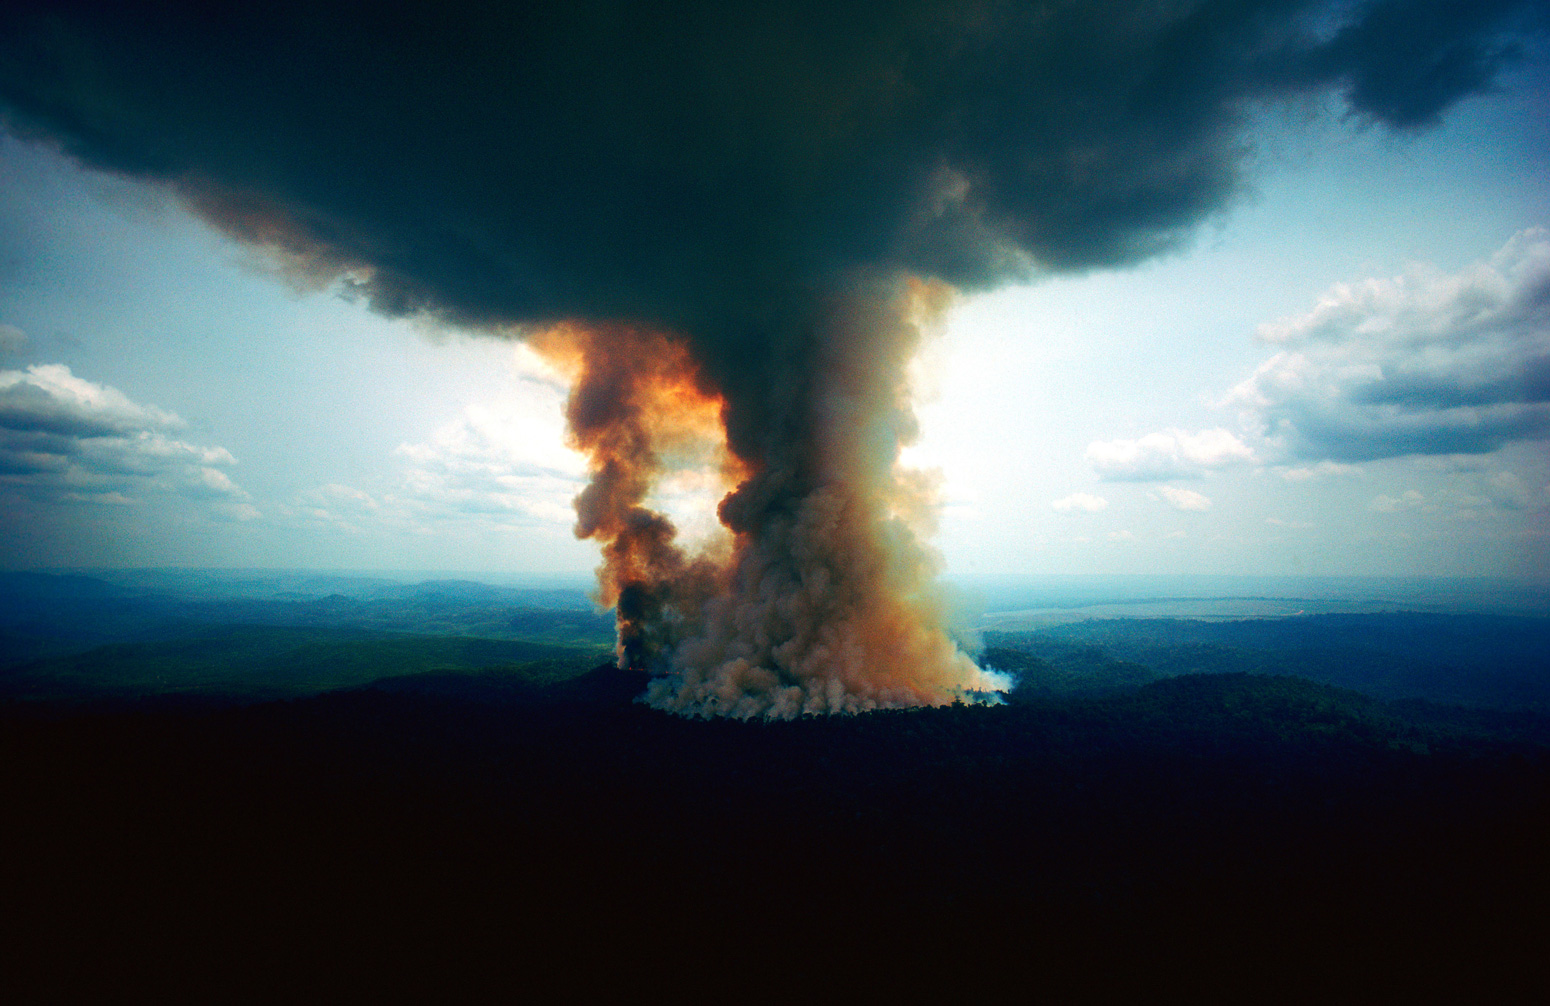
1248	834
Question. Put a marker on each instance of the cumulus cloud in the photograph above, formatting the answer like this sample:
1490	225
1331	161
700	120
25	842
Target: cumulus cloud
351	496
1185	499
1171	454
1426	363
49	399
1440	366
1080	501
63	437
497	462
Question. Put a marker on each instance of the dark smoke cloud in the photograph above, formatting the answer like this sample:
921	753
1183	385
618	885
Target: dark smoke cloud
781	190
1405	61
695	166
677	163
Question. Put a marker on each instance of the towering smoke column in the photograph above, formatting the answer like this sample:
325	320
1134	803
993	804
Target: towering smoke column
714	214
824	601
637	407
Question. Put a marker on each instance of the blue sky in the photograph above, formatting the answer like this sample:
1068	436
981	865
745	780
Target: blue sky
171	397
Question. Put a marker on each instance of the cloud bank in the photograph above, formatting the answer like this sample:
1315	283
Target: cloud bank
66	438
1426	363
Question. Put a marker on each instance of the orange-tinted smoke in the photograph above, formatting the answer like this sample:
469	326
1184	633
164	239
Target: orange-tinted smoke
824	598
831	602
637	409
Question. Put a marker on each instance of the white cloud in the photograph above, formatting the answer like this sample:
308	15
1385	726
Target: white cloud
495	465
1080	501
49	399
1171	454
1121	536
108	498
66	438
1185	499
504	462
339	507
1427	363
218	482
1451	462
1442	367
498	439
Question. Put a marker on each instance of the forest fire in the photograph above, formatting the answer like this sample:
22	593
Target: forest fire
820	598
734	221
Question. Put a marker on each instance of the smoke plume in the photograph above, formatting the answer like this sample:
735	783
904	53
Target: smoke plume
823	599
732	223
639	409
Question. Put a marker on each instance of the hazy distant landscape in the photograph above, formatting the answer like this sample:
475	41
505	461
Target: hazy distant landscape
235	635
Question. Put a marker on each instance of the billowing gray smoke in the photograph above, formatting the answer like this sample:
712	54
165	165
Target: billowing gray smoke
745	212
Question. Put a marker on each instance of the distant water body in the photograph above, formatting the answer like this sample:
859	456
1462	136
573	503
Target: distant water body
1026	602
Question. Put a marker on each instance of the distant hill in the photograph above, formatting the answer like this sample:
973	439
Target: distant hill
1495	661
46	615
248	662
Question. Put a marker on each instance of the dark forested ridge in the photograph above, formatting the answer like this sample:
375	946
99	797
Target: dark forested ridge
1497	661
